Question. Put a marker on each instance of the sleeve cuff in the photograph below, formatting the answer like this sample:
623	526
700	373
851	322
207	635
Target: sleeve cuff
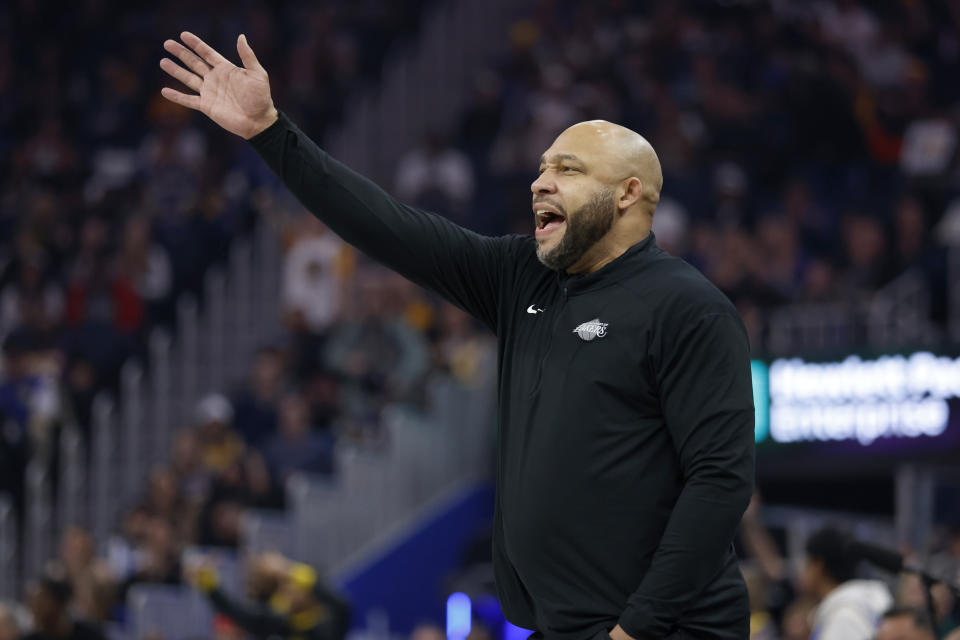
271	133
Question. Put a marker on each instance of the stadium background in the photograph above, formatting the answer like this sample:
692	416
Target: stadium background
193	367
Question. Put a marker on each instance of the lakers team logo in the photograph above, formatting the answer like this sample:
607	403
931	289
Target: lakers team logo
591	329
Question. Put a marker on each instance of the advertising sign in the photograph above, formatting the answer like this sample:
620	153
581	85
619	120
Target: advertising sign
902	403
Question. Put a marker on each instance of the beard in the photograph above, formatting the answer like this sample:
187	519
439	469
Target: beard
585	227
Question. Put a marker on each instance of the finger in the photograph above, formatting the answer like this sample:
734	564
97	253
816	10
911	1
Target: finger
205	51
247	56
183	99
192	80
187	57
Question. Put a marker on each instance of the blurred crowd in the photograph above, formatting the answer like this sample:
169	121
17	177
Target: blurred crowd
114	202
834	591
808	148
809	153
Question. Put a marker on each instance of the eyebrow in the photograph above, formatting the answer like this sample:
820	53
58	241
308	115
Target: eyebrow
560	156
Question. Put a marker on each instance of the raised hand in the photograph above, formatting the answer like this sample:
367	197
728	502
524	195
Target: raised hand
236	98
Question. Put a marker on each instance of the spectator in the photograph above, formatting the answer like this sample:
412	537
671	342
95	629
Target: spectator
105	299
29	393
220	446
905	624
427	632
437	177
163	500
9	628
147	265
303	607
762	625
156	554
297	445
94	585
188	467
312	279
848	609
256	403
80	385
866	252
379	358
261	490
265	575
49	599
245	483
797	623
460	349
30	282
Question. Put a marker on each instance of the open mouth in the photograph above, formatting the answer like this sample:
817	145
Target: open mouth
547	220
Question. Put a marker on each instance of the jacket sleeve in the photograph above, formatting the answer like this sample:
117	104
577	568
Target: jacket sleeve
462	266
339	607
707	402
257	620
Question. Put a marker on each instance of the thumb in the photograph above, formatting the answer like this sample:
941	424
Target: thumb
247	55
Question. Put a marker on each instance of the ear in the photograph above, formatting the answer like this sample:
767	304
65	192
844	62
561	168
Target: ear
629	193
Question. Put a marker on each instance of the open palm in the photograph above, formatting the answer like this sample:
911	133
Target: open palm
236	98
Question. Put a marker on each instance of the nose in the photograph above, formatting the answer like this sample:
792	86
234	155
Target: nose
543	184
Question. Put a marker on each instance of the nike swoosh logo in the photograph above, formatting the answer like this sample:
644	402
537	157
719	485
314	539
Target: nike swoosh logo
532	309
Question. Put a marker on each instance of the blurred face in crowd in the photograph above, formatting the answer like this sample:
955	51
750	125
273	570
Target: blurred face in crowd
813	577
902	627
598	186
257	473
796	620
427	632
294	416
76	548
864	240
265	575
186	450
44	607
267	373
8	625
163	493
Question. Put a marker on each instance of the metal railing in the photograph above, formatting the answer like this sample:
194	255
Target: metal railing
899	313
896	315
422	89
38	516
105	504
335	522
426	88
953	279
9	555
72	499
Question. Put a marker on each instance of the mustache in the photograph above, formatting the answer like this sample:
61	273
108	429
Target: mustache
555	205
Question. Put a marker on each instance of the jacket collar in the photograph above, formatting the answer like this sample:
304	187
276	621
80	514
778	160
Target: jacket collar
608	274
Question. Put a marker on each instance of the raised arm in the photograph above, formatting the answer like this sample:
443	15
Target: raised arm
468	269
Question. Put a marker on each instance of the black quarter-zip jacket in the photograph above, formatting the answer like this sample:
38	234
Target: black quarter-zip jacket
625	450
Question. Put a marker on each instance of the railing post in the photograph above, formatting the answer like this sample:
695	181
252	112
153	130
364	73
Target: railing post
161	396
187	377
103	464
39	518
9	571
953	269
72	502
239	342
212	362
134	471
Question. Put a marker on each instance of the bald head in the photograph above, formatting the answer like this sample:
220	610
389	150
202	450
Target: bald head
595	195
619	153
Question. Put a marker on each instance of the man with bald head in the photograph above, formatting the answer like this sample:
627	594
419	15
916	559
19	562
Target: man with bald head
625	450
